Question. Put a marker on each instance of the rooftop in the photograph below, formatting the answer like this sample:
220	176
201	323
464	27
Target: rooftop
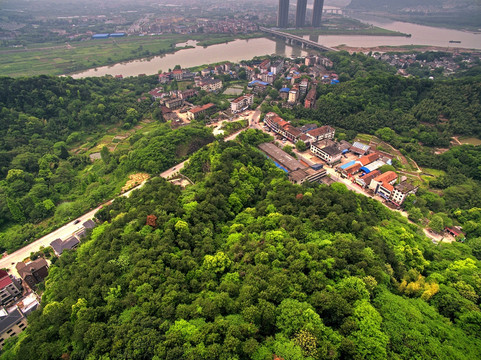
388	176
404	187
281	157
7	320
201	108
323	130
25	269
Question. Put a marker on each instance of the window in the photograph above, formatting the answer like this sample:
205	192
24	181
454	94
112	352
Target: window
9	331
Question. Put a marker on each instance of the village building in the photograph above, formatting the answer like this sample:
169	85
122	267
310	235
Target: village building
321	133
383	184
359	148
330	153
210	85
401	191
293	96
60	246
365	180
11	324
198	111
174	103
10	288
310	101
33	272
241	103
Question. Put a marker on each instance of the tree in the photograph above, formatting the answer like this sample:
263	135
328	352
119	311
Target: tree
301	145
437	223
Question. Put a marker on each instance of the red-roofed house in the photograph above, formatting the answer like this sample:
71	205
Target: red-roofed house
367	159
385	181
195	112
10	288
178	74
292	133
275	123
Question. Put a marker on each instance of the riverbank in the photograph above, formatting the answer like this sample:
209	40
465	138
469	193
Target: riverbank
76	57
402	49
371	31
456	21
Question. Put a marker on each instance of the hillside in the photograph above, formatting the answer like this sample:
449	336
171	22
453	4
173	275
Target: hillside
244	265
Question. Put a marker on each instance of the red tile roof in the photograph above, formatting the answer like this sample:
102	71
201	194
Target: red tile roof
4	282
388	186
387	177
367	159
201	108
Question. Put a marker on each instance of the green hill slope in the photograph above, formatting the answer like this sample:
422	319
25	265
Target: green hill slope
245	265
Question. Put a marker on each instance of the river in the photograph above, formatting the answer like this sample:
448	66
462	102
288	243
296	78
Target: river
238	50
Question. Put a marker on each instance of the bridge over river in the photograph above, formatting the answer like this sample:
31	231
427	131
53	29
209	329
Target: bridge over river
291	39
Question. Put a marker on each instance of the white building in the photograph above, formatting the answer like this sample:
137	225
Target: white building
241	103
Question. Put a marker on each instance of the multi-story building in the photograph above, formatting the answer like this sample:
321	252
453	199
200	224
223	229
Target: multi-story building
283	14
317	13
310	100
174	103
303	86
301	13
330	154
321	133
187	94
293	96
383	184
365	180
177	74
211	85
277	67
241	103
198	111
11	323
10	288
275	123
401	191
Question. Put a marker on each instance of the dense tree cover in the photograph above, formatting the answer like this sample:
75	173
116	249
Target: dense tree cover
419	110
41	118
244	265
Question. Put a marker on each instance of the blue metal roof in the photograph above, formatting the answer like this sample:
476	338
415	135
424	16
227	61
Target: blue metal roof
334	81
346	165
284	90
345	151
258	82
100	36
365	169
118	34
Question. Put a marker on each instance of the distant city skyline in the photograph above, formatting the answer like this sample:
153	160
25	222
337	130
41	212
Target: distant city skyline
301	13
283	14
317	13
301	9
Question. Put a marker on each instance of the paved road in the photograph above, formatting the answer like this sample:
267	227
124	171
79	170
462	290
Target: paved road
67	230
64	232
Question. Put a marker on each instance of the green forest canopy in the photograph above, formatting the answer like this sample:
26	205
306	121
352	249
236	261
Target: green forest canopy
246	265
